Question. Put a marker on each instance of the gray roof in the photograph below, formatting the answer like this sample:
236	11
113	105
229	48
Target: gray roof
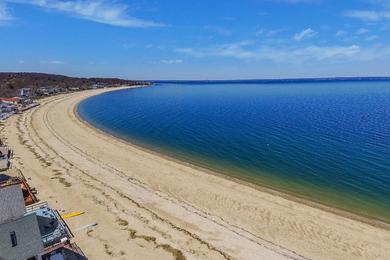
12	202
29	242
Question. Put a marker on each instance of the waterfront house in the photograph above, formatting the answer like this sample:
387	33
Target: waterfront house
33	232
5	150
11	101
5	156
99	85
55	234
25	93
63	251
7	108
42	91
28	193
47	91
52	227
20	237
5	163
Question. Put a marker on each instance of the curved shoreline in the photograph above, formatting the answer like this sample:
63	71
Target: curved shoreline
260	187
151	207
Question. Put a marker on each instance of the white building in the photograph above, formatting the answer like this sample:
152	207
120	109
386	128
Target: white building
25	92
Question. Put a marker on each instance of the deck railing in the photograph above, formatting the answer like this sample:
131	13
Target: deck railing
34	207
61	232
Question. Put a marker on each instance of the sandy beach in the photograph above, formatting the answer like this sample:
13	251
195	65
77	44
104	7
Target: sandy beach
150	207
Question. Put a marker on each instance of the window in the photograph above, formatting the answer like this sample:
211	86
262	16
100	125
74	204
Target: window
14	242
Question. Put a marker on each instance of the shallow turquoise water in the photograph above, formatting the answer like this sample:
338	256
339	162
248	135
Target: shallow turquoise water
328	142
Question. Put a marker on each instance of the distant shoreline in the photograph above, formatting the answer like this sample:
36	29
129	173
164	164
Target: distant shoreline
274	81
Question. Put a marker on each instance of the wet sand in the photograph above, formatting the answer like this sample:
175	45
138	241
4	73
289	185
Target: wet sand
150	207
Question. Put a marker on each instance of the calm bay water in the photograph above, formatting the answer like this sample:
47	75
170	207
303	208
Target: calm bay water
327	142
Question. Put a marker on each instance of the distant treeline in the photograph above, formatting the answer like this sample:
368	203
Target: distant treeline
11	83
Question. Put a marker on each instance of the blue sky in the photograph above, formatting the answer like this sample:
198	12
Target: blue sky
196	39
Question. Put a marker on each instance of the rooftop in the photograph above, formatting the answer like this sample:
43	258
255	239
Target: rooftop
53	228
5	150
28	192
14	99
27	237
6	181
65	250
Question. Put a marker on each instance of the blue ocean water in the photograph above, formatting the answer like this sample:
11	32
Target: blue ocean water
324	141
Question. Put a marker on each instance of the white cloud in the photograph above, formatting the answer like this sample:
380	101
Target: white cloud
53	62
362	31
100	11
341	33
305	34
275	32
218	30
236	50
287	54
189	51
370	16
380	11
259	32
372	38
177	61
5	15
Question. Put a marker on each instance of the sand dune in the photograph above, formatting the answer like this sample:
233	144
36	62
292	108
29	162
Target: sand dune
150	207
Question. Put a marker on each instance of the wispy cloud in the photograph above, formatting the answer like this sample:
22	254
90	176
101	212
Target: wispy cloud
362	31
127	46
275	32
100	11
177	61
305	34
291	54
369	16
53	62
268	33
341	33
372	38
218	29
5	15
235	50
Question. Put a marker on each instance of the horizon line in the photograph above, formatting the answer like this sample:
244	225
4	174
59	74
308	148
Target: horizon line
345	78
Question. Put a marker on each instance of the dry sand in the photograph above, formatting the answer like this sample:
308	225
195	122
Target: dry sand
150	207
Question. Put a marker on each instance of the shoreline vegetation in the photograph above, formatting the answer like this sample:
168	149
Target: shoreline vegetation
42	84
246	220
